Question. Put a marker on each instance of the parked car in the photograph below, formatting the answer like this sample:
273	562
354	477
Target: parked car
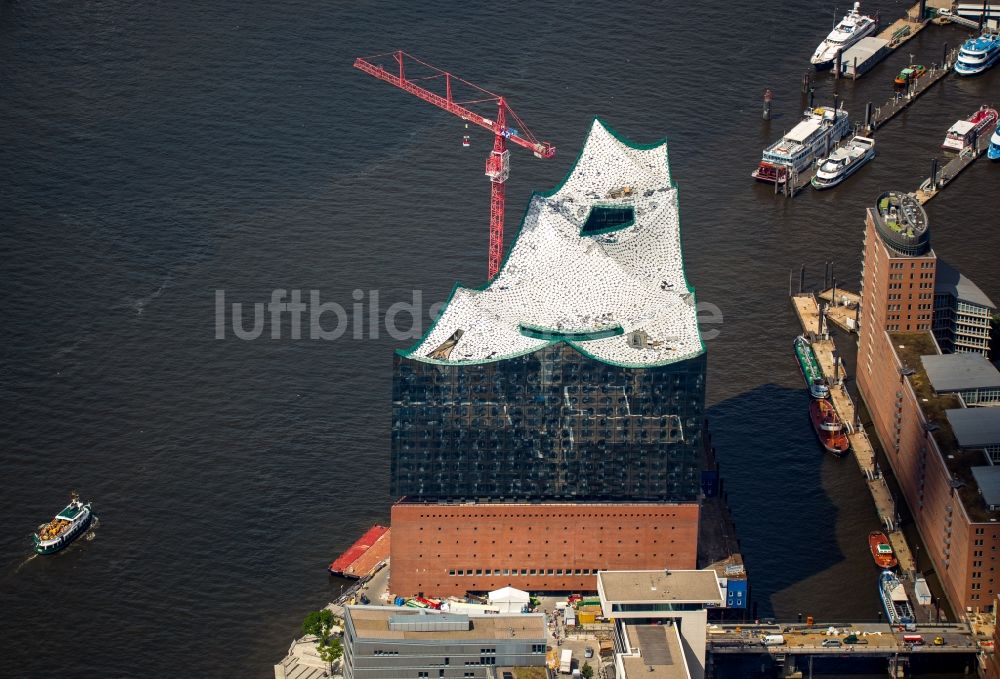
939	641
854	639
589	651
831	642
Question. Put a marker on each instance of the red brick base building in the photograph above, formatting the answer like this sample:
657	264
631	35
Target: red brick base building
451	549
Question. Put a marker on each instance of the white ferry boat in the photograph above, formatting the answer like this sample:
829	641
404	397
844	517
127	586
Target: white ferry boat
978	54
68	525
851	28
843	162
821	128
965	133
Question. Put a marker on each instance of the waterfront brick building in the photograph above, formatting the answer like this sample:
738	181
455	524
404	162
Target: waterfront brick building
551	423
479	547
913	414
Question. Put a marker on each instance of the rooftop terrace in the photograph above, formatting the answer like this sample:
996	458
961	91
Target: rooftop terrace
658	653
373	622
660	586
902	223
909	347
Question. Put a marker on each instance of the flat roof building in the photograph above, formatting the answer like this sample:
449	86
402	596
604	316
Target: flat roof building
636	592
654	652
651	609
970	375
988	479
977	428
389	642
863	56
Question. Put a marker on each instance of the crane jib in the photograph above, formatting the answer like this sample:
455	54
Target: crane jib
497	164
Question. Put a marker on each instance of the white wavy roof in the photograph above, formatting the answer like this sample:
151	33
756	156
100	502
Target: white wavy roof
557	279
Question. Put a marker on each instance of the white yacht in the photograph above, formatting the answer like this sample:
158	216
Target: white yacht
821	128
851	28
843	162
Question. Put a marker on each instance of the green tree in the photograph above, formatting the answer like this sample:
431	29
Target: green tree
587	671
331	651
319	624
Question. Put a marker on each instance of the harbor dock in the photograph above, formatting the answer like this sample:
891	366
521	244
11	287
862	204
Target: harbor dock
934	185
808	310
887	111
860	58
843	313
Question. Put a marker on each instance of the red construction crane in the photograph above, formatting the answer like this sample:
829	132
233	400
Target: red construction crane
498	162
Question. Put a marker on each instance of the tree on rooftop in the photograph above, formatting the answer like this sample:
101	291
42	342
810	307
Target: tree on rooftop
587	671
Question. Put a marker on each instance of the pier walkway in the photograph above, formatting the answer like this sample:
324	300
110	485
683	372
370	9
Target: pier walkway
844	312
808	310
961	21
887	111
928	189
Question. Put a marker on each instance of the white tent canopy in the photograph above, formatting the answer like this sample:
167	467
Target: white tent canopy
509	599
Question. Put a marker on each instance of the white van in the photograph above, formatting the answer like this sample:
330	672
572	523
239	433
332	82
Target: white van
566	661
774	640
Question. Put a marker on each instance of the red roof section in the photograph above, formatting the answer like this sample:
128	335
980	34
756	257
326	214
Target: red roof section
343	563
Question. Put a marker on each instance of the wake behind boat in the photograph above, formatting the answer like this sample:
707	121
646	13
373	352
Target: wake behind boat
64	528
978	54
843	162
851	29
821	128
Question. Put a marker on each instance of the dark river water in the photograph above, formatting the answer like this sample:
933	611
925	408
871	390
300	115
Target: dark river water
152	154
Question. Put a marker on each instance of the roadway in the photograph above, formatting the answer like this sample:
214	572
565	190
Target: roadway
875	639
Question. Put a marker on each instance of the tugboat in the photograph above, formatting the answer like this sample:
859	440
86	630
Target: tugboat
851	28
843	162
810	368
68	525
881	550
978	54
820	130
910	73
828	426
966	132
898	610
